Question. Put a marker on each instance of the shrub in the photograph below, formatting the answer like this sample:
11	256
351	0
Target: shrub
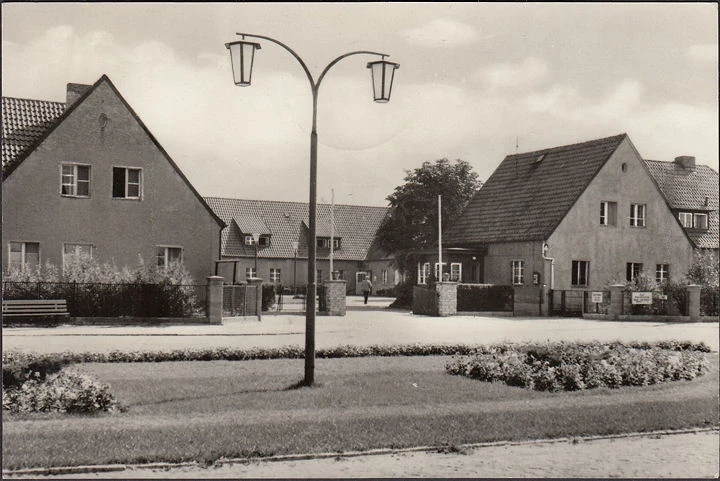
577	366
65	392
403	296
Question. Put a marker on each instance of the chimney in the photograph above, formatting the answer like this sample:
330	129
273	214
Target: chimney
74	92
686	161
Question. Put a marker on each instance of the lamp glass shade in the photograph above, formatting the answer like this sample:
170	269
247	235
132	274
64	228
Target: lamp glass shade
383	73
242	54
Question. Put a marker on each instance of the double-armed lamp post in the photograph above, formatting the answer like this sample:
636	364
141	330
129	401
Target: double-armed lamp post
242	55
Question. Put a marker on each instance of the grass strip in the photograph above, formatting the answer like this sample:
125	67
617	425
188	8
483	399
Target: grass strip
190	411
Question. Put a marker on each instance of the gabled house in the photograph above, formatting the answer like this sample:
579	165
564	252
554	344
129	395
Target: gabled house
575	217
87	176
272	235
691	192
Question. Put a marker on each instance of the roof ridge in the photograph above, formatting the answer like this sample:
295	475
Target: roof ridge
293	202
558	147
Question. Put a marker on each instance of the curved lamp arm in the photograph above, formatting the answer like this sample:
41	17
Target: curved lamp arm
313	85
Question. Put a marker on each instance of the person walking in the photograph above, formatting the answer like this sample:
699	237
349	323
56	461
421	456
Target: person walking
366	288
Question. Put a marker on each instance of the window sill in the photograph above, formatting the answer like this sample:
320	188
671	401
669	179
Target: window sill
68	196
136	199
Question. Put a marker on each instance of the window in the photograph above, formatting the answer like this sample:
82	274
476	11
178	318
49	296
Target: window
423	272
518	272
662	272
275	275
580	271
700	221
608	213
24	254
75	251
437	272
633	270
75	180
319	277
250	273
455	271
384	276
167	255
637	215
127	183
686	219
324	243
263	240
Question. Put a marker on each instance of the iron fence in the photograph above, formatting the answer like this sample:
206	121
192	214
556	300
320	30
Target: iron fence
116	300
484	297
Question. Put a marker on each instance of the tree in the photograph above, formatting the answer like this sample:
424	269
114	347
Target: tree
412	223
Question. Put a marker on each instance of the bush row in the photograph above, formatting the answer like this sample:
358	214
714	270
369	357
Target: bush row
571	367
18	366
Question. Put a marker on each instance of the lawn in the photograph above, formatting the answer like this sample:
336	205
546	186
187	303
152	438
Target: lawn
202	411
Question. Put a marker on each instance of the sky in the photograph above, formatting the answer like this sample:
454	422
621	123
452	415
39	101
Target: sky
477	82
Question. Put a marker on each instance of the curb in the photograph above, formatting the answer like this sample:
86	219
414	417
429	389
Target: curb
104	468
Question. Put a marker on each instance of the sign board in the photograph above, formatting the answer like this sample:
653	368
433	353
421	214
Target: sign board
596	297
642	298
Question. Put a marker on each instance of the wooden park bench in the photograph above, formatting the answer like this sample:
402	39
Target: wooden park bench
34	307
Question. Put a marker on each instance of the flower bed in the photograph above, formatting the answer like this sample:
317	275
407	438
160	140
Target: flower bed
576	366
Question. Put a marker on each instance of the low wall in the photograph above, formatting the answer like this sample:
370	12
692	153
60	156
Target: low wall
424	301
648	318
528	301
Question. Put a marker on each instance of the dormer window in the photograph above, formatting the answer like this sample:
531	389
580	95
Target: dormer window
263	240
324	243
690	220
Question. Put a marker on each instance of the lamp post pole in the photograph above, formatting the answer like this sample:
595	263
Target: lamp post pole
382	84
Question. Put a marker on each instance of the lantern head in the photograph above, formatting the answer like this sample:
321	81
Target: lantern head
382	79
241	58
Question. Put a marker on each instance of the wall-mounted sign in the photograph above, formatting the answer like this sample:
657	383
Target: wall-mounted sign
596	297
642	298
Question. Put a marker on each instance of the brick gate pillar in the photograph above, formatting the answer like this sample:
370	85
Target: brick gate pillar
257	283
446	298
693	300
617	297
335	297
214	299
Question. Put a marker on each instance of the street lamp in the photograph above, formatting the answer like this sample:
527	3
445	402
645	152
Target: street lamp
242	54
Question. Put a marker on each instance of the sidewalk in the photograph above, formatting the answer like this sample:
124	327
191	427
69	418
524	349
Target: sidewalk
683	455
363	325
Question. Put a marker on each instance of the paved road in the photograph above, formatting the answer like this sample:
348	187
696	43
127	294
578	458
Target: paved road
363	325
687	455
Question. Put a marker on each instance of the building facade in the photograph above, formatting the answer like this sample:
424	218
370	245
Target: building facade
575	217
268	239
87	176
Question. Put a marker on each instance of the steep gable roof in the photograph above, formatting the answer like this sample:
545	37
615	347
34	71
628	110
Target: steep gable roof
37	117
24	121
688	189
287	222
530	193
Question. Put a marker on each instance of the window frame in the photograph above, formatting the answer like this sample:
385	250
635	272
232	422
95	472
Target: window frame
75	179
576	275
23	253
76	245
662	273
275	275
423	273
686	219
384	276
630	273
517	272
166	256
637	220
457	265
250	273
608	213
126	182
695	220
